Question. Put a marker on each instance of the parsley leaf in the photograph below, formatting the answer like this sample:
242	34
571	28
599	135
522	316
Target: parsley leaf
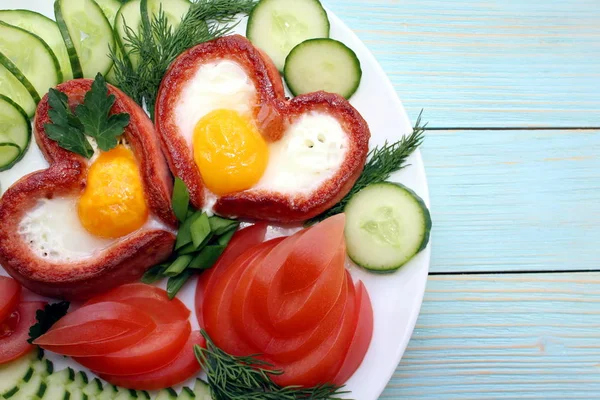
65	128
94	115
46	318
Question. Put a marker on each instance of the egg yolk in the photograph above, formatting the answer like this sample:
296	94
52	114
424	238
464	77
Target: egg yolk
229	151
113	203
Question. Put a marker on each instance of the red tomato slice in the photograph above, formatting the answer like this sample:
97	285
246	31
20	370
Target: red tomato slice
242	241
302	310
14	331
97	329
217	305
153	352
289	349
362	336
182	368
322	364
10	293
148	299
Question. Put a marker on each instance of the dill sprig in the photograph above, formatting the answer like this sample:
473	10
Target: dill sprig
382	163
248	378
157	44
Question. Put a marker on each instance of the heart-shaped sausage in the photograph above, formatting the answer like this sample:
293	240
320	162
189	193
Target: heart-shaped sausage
122	260
317	143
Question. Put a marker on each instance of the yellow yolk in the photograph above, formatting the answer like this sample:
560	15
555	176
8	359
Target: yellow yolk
113	203
229	151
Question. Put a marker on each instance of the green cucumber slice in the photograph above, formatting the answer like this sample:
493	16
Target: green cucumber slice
202	390
129	15
110	8
87	35
167	394
64	377
12	373
94	388
186	394
109	392
387	224
15	131
30	390
77	394
322	64
11	87
174	10
56	391
277	26
46	29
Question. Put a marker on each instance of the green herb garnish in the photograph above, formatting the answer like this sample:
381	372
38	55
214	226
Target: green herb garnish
181	199
91	118
46	318
249	378
157	44
382	163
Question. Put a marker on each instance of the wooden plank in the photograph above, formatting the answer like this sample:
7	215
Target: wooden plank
514	200
486	63
504	337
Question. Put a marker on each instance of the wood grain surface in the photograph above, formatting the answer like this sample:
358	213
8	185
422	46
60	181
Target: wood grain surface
492	63
505	201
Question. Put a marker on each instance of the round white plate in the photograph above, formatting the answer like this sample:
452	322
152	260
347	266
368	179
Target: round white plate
396	297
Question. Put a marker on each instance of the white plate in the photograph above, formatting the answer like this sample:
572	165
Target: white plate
397	297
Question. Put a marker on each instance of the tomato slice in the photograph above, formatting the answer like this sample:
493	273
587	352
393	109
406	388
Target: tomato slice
241	241
151	300
217	305
153	352
322	364
10	293
182	368
97	329
362	336
14	331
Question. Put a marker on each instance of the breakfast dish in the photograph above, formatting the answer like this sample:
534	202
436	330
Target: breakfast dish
211	189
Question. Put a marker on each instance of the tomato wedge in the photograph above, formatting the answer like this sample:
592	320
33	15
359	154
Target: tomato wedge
14	331
151	300
153	352
242	241
10	293
322	364
362	336
182	368
97	329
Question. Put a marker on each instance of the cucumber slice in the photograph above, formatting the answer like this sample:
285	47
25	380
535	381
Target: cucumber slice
56	391
64	377
322	64
109	392
14	372
387	224
202	390
11	87
46	29
77	394
110	8
167	394
30	390
127	394
94	388
174	10
186	394
87	34
15	131
277	26
129	15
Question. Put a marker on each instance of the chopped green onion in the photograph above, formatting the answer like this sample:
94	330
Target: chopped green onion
154	274
180	200
184	236
187	249
207	257
200	230
175	283
224	239
220	225
178	265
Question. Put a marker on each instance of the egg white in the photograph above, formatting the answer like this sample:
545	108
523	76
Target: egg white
310	152
54	232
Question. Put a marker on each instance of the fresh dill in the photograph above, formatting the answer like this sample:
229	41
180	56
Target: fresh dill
248	378
382	163
157	44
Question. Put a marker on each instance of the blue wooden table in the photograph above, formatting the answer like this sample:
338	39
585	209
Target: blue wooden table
511	90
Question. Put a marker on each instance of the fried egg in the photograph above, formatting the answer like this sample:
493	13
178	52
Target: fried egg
215	115
111	207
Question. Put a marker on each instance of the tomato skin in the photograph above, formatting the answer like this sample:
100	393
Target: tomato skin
15	331
362	336
153	352
10	294
97	329
182	368
148	299
242	240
